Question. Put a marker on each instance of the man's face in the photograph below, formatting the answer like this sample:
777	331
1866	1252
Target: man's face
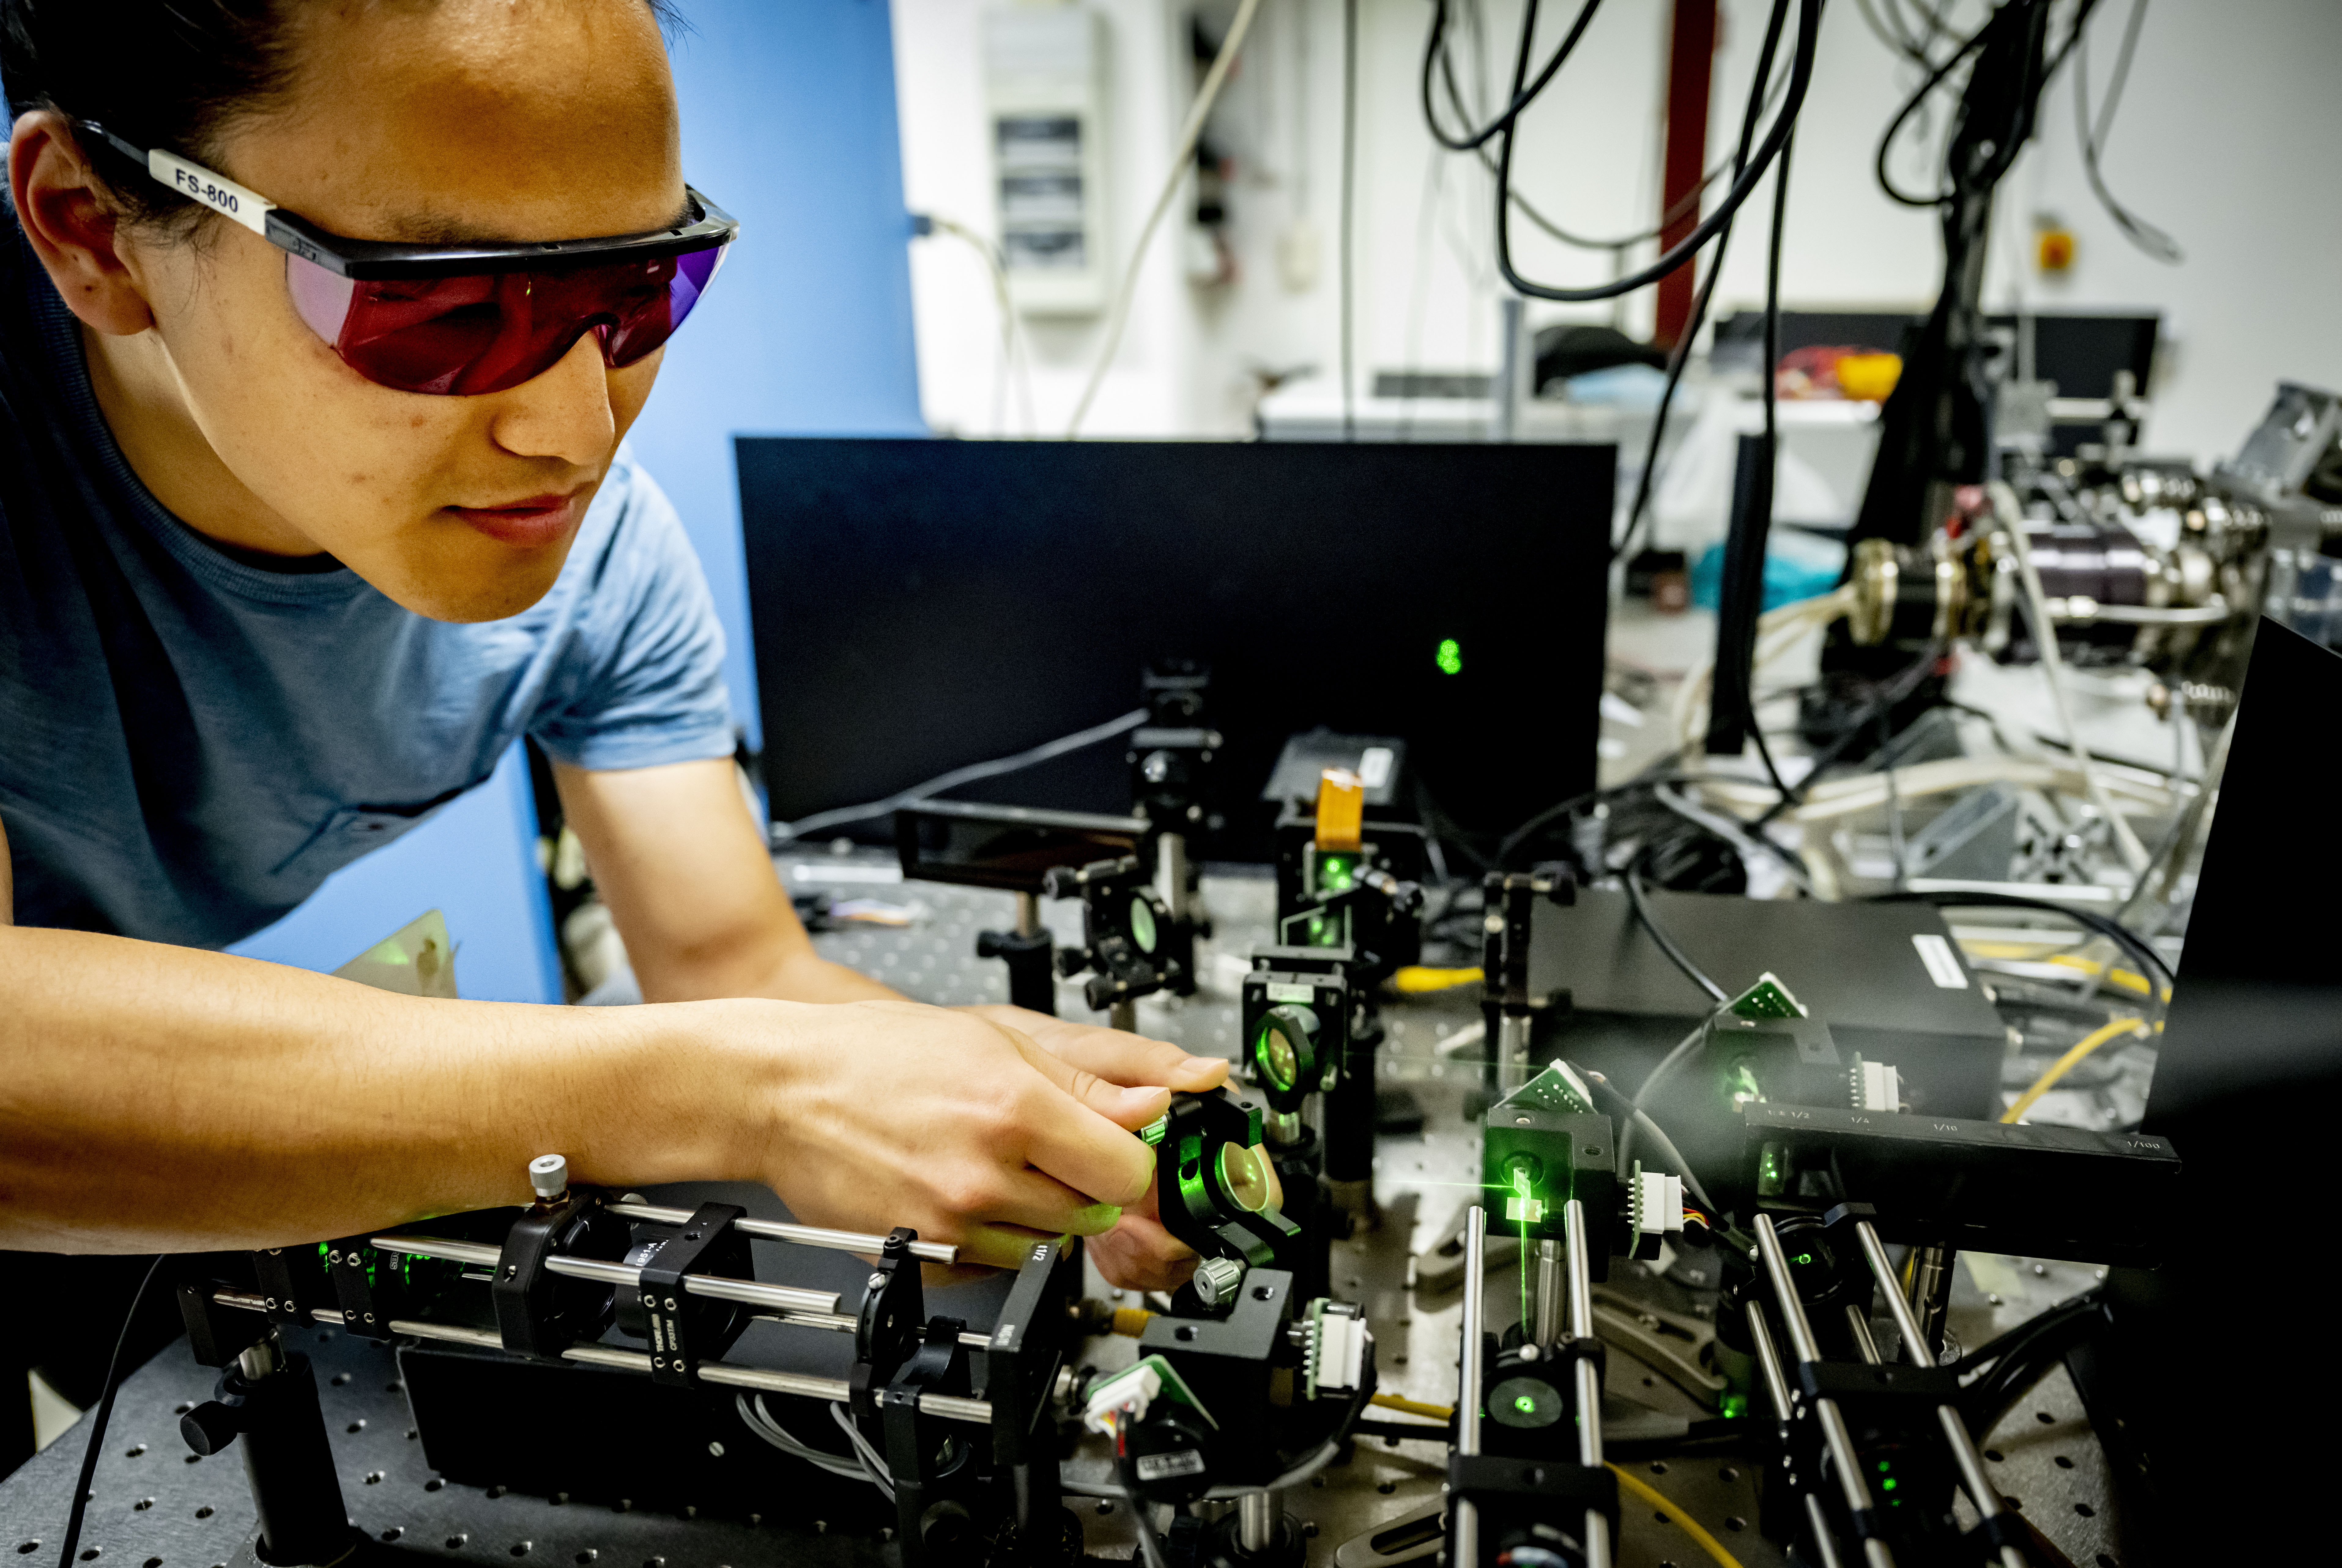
458	120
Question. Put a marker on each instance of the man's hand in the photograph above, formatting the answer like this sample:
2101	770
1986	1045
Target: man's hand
886	1113
1139	1254
691	888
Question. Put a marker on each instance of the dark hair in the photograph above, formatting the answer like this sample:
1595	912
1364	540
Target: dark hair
175	73
180	74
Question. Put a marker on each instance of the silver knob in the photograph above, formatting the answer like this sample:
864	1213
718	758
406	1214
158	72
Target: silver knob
1216	1280
549	1174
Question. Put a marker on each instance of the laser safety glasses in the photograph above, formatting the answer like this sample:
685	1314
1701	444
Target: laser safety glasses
475	317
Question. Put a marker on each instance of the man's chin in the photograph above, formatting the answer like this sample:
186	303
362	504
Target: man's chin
494	597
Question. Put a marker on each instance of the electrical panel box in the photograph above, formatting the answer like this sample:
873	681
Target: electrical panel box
1045	69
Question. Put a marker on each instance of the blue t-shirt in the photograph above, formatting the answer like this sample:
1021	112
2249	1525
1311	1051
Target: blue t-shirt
190	744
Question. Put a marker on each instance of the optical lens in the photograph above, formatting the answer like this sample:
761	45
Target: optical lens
1275	1053
1241	1175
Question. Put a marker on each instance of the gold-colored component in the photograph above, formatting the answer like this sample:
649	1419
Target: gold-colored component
1341	809
1131	1321
1885	575
1876	579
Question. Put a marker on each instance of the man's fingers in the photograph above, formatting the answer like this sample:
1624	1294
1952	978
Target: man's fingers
1133	1060
1045	1205
1087	1144
1140	1255
1129	1108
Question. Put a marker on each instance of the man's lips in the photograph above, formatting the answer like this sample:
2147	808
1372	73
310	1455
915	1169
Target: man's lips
539	520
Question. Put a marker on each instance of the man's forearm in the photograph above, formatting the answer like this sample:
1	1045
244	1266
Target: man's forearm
159	1097
809	977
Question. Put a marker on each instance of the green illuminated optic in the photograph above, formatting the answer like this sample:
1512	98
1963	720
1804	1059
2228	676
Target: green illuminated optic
1273	1052
1336	873
1802	1259
1733	1406
1772	1170
1525	1404
1450	658
1521	1206
1884	1466
1740	1083
1141	925
1888	1484
1152	1132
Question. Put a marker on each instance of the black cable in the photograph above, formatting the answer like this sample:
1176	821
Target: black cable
1680	355
105	1414
1687	203
1801	78
1677	358
1523	97
1935	78
1349	198
2151	962
2020	1356
1903	685
1761	515
1910	105
1520	835
1633	878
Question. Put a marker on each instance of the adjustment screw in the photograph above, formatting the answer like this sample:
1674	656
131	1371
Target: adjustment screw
1216	1280
549	1174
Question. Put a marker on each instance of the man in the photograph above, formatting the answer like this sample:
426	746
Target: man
290	554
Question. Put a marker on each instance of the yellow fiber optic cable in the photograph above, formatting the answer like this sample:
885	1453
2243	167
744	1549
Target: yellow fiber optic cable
1631	1481
2066	1063
1683	1522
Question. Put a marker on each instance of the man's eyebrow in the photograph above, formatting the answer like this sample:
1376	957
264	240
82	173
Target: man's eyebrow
434	229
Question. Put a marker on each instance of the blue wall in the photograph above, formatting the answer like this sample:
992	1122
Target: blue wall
788	123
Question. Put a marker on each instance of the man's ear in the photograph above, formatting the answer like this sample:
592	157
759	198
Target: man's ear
61	209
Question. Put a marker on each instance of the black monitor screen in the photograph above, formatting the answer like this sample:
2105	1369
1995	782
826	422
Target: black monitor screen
923	604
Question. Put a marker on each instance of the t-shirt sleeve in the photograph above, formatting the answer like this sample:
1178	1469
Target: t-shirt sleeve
642	680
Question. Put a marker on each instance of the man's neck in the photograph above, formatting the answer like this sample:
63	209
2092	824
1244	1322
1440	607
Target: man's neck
140	397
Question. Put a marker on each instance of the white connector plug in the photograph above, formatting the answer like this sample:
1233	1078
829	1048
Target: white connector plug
1877	1086
1655	1208
1124	1398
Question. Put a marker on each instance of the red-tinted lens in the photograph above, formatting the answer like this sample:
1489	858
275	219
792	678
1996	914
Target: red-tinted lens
488	332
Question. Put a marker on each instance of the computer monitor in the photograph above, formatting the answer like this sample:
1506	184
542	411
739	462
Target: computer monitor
923	604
